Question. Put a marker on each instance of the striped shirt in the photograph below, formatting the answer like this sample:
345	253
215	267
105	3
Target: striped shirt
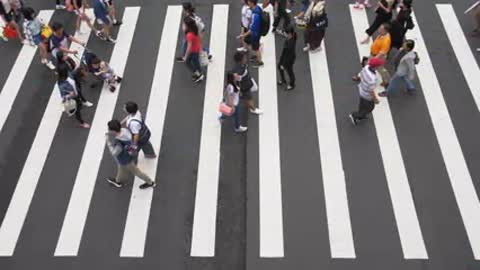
368	82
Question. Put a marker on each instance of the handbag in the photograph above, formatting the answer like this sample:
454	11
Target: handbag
9	32
70	106
46	32
203	58
225	109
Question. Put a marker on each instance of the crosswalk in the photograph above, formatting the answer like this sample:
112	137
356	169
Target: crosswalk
272	229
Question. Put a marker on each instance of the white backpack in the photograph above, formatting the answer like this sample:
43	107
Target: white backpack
199	23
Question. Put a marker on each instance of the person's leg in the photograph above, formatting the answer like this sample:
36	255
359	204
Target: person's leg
133	169
291	75
196	62
364	108
285	16
147	149
122	174
392	86
276	21
236	117
476	16
409	84
385	75
282	73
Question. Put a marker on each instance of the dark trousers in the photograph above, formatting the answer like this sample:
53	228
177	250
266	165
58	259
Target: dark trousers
379	20
236	117
365	107
289	70
193	62
314	37
58	2
78	113
282	13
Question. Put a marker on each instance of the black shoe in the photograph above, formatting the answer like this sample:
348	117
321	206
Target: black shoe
117	23
118	79
147	185
258	64
274	30
112	88
179	59
114	182
200	78
354	121
210	57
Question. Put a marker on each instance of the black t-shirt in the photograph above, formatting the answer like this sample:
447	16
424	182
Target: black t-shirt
246	82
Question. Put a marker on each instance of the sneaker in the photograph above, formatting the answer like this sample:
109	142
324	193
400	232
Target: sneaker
147	185
118	79
87	103
257	111
210	57
101	35
306	48
354	121
383	94
240	129
112	88
117	23
84	125
288	10
280	82
60	7
274	30
179	59
258	64
242	49
151	156
50	65
111	40
114	182
200	78
290	87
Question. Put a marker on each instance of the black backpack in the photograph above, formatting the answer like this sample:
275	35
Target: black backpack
264	23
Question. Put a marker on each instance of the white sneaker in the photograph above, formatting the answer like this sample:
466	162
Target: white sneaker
242	49
256	111
50	65
87	104
306	48
26	42
241	129
288	10
60	7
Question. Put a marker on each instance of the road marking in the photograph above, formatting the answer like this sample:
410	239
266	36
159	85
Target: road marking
460	178
205	214
409	230
17	74
336	200
462	50
270	181
32	169
74	222
135	233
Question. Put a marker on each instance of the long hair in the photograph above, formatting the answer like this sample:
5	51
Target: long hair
191	25
231	81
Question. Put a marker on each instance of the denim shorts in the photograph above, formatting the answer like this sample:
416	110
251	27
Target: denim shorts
37	39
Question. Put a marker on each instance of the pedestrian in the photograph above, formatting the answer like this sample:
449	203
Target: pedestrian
384	14
232	100
252	36
404	69
102	17
11	14
68	92
247	83
401	24
194	46
280	13
366	89
79	7
380	49
189	12
475	11
59	40
317	23
245	24
32	27
112	12
103	71
287	59
119	142
140	132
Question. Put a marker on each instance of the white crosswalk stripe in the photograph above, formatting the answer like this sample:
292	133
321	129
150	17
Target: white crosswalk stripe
273	232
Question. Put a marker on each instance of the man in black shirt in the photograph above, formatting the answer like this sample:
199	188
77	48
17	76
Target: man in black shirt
280	12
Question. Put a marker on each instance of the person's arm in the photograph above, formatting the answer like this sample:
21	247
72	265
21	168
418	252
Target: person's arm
75	6
187	51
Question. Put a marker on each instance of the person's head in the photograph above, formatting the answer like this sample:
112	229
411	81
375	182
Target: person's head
375	63
28	13
57	29
252	3
409	45
62	72
61	56
245	2
188	8
407	4
131	107
95	62
290	31
240	58
384	29
114	126
190	26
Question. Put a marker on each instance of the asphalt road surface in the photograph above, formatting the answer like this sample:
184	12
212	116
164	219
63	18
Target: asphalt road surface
302	189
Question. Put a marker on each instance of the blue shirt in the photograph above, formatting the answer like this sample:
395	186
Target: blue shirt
100	9
256	24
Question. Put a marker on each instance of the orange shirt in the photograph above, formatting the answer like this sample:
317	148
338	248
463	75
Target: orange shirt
381	45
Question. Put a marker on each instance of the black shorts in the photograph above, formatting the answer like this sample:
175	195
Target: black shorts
246	94
253	42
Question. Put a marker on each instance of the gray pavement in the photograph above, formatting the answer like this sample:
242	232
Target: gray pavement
305	225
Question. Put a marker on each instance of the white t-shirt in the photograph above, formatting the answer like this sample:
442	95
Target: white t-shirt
368	81
134	126
231	93
246	16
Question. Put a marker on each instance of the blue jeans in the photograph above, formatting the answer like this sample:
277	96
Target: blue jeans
395	83
236	117
193	62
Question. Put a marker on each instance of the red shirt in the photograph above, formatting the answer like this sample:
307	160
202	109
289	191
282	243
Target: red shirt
196	44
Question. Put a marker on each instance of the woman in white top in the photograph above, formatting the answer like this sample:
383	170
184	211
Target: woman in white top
232	99
246	19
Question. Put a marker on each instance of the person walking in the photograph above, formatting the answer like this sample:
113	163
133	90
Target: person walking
317	23
140	132
32	27
68	91
194	46
366	89
245	24
102	16
59	40
287	59
253	35
232	99
11	14
280	12
247	83
401	24
384	15
119	143
405	69
79	7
